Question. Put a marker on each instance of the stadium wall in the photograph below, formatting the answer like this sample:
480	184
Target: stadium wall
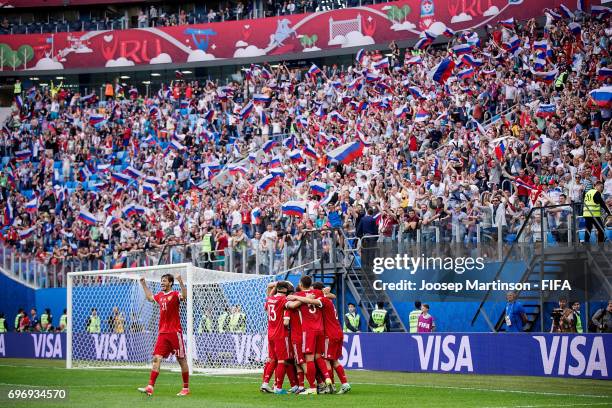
544	354
15	295
299	33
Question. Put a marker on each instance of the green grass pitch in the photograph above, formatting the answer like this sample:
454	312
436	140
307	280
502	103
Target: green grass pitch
117	388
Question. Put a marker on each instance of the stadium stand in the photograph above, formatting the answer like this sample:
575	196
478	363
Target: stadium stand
438	145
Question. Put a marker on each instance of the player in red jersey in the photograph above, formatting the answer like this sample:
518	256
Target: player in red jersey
170	336
312	332
278	336
334	336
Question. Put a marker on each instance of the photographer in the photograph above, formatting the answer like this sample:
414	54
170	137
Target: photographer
602	319
563	318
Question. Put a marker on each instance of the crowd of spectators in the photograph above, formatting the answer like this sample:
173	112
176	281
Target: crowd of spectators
201	162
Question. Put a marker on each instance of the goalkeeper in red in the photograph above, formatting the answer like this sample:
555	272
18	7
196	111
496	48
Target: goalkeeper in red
170	336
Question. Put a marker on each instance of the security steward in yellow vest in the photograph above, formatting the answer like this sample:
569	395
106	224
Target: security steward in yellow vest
206	324
63	321
379	319
93	323
413	317
3	328
351	320
207	248
591	212
237	320
18	319
223	322
45	320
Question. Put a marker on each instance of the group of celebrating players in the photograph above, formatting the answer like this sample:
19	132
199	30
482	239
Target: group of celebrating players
304	339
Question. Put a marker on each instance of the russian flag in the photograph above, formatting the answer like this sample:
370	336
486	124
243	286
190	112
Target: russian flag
318	188
508	23
537	144
139	209
103	168
565	11
546	77
209	115
309	151
9	214
521	183
22	155
175	145
575	28
600	11
19	101
423	43
275	162
399	112
96	119
314	70
470	60
296	156
443	70
360	56
277	173
602	96
87	217
382	64
261	98
346	153
539	64
540	45
120	178
421	116
335	116
267	147
500	150
26	233
546	110
603	74
266	183
263	118
246	111
289	142
355	84
32	205
466	73
581	5
256	216
84	173
371	77
110	220
512	44
448	33
416	60
133	173
461	49
294	208
148	188
152	180
415	92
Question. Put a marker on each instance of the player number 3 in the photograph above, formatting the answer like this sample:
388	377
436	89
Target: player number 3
312	308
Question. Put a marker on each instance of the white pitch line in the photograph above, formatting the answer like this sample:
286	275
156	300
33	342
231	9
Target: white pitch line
450	387
555	405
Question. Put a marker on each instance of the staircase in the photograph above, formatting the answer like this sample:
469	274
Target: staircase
344	266
587	265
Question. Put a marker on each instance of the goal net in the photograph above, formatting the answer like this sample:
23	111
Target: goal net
112	325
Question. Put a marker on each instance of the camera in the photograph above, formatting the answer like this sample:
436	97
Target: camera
557	313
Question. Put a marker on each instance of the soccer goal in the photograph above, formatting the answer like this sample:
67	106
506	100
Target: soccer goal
112	325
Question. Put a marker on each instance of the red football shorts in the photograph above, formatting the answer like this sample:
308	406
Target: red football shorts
296	351
170	343
278	349
332	349
312	342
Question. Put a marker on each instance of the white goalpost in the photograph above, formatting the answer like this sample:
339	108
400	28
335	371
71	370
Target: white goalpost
112	325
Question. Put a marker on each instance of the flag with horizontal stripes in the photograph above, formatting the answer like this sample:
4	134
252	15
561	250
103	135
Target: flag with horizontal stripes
87	217
294	208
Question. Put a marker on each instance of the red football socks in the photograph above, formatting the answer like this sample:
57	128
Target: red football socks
153	377
322	366
311	370
268	370
341	374
291	374
279	375
185	375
